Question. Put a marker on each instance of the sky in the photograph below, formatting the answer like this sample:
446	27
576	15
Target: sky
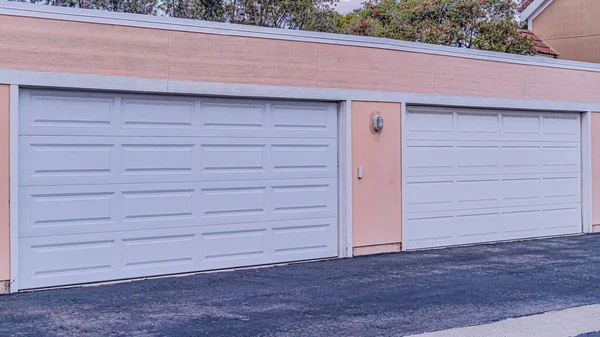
346	6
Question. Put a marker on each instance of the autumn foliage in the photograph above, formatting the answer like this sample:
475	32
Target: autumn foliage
479	24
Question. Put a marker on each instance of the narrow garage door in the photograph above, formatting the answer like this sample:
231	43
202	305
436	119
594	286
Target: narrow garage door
118	186
478	176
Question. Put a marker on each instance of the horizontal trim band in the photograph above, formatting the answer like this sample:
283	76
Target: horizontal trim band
163	86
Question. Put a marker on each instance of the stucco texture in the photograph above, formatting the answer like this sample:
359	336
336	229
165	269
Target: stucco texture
376	198
88	48
572	28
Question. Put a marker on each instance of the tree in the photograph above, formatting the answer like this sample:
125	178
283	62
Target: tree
127	6
292	14
211	10
479	24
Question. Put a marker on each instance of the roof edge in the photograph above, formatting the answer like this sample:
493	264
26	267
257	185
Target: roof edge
19	9
530	11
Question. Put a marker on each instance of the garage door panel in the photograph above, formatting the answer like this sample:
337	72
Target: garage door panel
56	210
144	159
233	114
302	118
55	259
562	219
63	210
49	160
521	123
72	259
428	158
493	175
459	124
561	190
477	123
99	114
488	225
476	158
562	158
562	126
77	113
230	159
481	192
443	158
433	194
157	113
428	122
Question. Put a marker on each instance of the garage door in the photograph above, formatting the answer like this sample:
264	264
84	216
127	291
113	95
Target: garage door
119	186
478	176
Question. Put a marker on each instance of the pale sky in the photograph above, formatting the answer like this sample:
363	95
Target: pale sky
346	6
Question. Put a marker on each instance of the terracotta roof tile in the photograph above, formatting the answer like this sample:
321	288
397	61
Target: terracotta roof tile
540	46
524	5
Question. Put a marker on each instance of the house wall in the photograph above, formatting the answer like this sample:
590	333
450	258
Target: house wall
376	221
91	48
572	28
4	186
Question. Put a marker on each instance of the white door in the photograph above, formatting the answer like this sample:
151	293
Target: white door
482	175
116	186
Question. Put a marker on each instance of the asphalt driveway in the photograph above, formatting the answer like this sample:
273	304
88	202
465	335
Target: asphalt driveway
386	295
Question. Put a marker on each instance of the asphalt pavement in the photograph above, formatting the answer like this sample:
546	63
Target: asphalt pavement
385	295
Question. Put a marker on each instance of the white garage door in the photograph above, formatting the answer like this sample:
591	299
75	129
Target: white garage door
478	176
118	186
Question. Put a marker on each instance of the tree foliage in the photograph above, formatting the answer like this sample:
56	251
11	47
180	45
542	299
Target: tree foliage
292	14
480	24
211	10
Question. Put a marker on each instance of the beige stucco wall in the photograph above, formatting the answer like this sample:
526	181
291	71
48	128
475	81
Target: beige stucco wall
376	198
572	28
87	48
4	185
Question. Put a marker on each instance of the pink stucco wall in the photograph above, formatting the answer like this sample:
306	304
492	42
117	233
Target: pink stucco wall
376	199
69	46
4	184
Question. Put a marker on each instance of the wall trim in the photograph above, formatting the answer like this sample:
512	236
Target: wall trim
145	85
345	181
533	10
403	166
344	184
14	188
586	173
387	248
13	8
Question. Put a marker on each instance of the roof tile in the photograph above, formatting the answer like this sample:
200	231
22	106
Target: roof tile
524	5
540	46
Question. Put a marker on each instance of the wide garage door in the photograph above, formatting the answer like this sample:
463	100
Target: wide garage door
116	186
478	176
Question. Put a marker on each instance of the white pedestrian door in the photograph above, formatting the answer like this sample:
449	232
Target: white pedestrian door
115	186
486	175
